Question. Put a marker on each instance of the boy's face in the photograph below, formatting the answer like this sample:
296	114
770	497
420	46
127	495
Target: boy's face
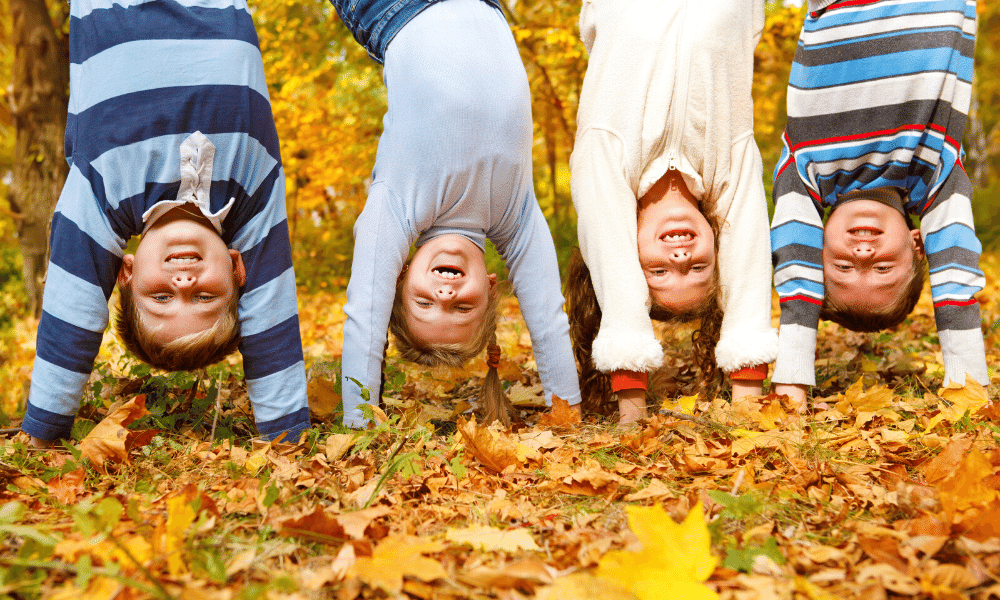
868	254
676	246
446	291
183	276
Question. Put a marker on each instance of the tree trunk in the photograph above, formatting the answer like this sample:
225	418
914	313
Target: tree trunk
40	90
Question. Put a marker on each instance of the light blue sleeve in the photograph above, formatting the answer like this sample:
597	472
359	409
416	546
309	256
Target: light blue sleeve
527	248
382	241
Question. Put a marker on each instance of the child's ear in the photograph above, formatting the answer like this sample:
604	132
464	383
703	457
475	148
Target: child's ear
125	272
918	243
493	283
239	271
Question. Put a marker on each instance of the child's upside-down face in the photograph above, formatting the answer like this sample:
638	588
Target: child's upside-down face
446	291
868	254
183	276
676	246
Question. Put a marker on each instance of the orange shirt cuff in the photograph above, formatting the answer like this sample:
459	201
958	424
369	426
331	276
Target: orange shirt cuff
628	380
751	373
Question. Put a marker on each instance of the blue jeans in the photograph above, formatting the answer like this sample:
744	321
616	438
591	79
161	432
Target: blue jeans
375	22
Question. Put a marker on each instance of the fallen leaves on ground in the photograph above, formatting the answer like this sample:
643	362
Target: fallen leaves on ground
888	488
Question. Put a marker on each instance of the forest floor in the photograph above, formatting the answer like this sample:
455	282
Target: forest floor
888	488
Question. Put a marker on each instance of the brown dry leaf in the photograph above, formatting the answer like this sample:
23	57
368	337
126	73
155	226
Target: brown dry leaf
561	414
592	480
323	400
394	558
319	524
520	574
655	489
68	487
495	451
356	523
338	444
107	441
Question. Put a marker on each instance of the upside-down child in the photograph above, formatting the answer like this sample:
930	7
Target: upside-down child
668	185
453	168
170	136
878	99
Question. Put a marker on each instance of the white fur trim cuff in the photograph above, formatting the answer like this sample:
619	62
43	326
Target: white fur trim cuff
626	351
746	348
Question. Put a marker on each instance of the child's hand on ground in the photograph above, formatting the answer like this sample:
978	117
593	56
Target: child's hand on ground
631	406
796	392
37	443
742	389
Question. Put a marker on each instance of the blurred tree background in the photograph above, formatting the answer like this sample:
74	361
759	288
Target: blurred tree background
328	101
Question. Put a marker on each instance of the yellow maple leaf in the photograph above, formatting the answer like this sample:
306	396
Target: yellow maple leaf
180	516
960	398
395	557
674	562
491	538
856	398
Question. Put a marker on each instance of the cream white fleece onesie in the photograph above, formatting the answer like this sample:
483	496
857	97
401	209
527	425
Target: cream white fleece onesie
668	86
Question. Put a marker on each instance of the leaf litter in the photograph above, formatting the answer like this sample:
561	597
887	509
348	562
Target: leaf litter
889	487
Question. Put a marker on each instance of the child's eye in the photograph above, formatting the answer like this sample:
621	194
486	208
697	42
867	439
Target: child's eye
657	272
698	268
160	297
463	309
843	267
883	269
423	303
205	297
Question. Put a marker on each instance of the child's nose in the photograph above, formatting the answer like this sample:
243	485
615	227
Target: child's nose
864	250
184	280
445	293
679	255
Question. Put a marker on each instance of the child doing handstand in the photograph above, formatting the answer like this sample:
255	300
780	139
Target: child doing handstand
169	135
453	168
877	103
667	183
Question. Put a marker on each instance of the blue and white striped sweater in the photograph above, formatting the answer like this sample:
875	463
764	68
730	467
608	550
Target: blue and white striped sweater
144	75
878	97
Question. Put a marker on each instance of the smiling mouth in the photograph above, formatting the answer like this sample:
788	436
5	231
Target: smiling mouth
447	272
678	236
864	231
183	258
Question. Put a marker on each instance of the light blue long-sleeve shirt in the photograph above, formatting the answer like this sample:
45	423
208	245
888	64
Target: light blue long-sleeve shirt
455	158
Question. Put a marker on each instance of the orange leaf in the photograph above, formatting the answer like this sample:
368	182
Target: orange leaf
561	415
108	440
495	451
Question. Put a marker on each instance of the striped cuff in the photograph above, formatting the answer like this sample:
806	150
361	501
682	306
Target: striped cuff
46	425
751	373
628	380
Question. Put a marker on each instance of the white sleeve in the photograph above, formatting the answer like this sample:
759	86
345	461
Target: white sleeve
606	210
747	337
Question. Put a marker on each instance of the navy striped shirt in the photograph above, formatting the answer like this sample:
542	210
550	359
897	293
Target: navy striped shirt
144	75
878	97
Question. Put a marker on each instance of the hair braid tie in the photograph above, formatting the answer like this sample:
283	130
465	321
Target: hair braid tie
493	356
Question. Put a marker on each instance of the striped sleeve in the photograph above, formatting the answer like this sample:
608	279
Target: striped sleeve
953	251
797	255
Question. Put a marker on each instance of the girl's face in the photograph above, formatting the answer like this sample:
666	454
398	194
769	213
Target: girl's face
446	291
676	245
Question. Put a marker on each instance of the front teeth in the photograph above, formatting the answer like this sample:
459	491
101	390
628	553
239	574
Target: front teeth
447	273
679	237
184	260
